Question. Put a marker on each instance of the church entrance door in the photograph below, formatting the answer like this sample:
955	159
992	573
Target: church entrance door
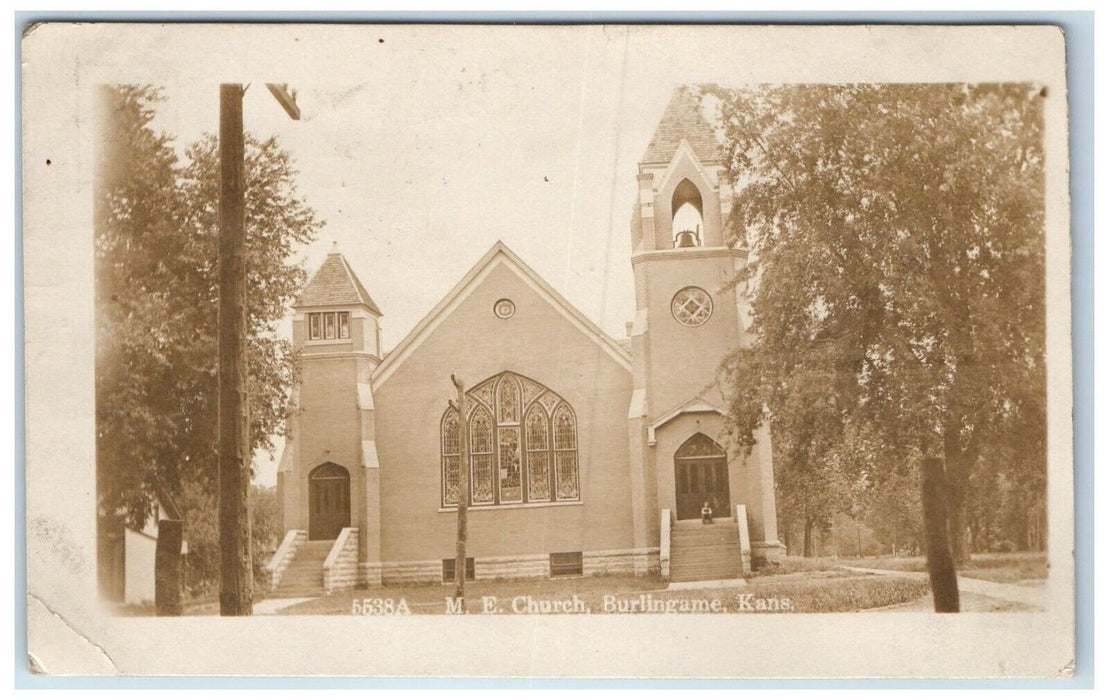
700	476
328	501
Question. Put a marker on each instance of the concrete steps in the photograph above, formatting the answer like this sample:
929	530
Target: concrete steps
304	576
700	552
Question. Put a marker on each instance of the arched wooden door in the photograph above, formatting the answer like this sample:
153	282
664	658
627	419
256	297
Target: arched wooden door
328	501
701	475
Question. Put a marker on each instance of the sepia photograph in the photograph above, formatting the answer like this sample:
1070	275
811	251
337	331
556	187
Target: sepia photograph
573	331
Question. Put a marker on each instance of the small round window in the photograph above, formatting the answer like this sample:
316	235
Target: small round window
504	308
691	306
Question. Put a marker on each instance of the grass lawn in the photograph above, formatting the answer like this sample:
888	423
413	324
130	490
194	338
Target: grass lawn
832	592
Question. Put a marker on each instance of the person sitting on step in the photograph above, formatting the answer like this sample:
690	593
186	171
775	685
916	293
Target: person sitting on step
706	514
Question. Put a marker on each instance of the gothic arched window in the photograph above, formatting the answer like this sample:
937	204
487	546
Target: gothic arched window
523	445
481	456
449	436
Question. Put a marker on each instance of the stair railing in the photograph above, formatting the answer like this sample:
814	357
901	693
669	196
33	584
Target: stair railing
275	567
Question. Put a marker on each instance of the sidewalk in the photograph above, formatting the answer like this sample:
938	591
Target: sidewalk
1032	595
270	606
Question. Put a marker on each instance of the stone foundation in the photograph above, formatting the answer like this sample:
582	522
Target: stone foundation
637	562
340	569
768	551
369	574
280	560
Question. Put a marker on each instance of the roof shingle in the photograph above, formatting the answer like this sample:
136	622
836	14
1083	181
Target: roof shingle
334	284
683	119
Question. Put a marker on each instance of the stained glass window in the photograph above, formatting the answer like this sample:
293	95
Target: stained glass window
481	455
539	469
450	438
532	460
508	401
512	487
566	453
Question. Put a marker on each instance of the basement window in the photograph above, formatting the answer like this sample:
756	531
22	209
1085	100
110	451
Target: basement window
448	569
566	564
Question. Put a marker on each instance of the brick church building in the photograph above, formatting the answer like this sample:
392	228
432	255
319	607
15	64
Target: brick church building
589	454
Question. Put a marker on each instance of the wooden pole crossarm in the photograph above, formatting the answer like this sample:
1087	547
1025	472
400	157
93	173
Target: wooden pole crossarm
286	98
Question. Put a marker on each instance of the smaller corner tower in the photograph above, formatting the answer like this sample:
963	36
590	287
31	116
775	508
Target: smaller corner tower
328	477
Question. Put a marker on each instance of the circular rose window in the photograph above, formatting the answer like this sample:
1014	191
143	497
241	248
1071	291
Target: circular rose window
691	306
504	308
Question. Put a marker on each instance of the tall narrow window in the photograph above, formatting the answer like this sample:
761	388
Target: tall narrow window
329	326
508	401
344	324
523	445
539	467
450	437
315	329
566	453
508	458
481	456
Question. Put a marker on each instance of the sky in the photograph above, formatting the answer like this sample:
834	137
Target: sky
422	147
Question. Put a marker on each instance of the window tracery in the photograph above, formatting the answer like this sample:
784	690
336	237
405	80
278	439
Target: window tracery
523	445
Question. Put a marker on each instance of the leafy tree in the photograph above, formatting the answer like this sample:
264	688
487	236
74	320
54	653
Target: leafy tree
897	241
157	306
137	223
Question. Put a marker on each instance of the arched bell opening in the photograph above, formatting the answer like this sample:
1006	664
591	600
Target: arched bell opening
687	215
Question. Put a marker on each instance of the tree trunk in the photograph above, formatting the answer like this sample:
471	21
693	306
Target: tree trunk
168	576
957	512
463	491
937	540
236	595
958	463
809	523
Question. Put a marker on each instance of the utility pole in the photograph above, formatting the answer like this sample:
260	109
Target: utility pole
236	595
463	489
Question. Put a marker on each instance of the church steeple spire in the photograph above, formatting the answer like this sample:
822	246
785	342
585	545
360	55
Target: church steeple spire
683	120
335	283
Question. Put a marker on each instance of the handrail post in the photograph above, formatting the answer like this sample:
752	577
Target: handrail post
744	537
664	544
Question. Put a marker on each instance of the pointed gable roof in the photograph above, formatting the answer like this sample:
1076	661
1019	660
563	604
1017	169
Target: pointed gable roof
499	254
683	120
335	284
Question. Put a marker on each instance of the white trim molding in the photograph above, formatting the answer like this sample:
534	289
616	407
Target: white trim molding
498	255
637	407
369	455
695	405
685	150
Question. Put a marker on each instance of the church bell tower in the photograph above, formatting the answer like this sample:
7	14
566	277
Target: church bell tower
689	317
